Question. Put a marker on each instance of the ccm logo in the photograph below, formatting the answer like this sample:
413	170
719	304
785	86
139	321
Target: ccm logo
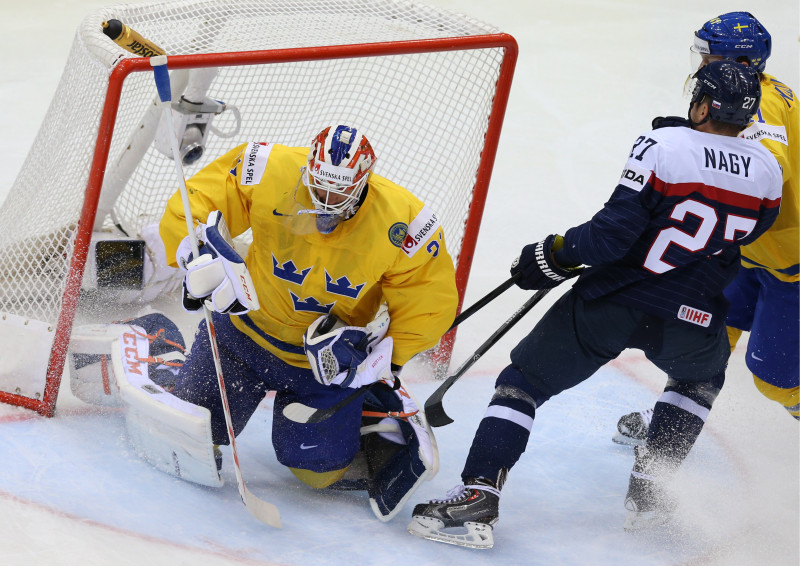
131	353
245	288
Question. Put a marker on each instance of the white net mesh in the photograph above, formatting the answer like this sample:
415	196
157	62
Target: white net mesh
425	115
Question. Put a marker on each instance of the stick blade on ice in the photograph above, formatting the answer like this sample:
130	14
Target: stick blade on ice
435	413
262	510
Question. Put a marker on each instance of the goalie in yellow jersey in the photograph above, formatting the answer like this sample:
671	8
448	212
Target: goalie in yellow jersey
764	297
347	278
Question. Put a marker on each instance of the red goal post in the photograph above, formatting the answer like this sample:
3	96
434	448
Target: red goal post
433	108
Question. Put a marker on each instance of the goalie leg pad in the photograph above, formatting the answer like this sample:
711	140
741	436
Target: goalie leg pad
415	462
380	441
92	376
91	373
116	364
399	478
171	434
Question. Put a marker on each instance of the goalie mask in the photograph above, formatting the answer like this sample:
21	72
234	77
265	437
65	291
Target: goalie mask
339	162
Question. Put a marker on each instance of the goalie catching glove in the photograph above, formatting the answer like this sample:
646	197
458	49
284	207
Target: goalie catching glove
537	267
219	276
349	356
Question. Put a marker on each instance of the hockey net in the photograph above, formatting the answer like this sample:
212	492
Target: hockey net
429	86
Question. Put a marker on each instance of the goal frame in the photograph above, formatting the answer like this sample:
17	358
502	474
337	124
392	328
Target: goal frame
125	67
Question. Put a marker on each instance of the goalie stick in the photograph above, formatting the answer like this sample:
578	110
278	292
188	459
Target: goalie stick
434	410
262	510
300	413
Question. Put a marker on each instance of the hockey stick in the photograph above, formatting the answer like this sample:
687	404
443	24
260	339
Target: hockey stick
434	410
300	413
260	509
492	295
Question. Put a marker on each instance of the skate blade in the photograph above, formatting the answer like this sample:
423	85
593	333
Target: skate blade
478	535
637	521
620	438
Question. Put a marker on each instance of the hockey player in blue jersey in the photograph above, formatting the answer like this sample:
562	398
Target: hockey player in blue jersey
764	297
651	268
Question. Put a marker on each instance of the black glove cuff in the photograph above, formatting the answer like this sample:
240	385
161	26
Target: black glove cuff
670	122
191	304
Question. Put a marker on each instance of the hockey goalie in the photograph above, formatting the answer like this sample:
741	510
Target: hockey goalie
347	278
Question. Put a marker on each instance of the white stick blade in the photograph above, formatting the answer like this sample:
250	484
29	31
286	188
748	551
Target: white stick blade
298	412
265	512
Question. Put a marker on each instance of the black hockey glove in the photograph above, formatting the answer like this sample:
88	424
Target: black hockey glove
670	122
538	269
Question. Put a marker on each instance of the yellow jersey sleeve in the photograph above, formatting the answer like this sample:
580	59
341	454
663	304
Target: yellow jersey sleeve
777	125
215	187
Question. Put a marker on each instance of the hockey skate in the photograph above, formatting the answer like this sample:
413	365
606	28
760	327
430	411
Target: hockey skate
464	517
632	428
646	501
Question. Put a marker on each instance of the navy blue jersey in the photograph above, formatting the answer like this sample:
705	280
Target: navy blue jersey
667	241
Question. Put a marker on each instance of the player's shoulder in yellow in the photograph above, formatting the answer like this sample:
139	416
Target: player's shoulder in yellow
254	162
776	121
773	88
390	198
779	105
413	222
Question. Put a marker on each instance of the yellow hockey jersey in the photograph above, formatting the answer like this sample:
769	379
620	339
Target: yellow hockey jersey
776	125
392	250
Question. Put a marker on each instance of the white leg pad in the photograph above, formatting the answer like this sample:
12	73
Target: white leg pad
91	373
171	434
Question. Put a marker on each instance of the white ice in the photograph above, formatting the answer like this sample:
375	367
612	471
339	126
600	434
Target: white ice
590	77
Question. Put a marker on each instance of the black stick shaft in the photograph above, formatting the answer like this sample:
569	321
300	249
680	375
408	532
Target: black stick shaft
492	295
434	409
321	414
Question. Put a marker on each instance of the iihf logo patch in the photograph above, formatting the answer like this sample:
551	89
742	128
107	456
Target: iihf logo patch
694	316
397	233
